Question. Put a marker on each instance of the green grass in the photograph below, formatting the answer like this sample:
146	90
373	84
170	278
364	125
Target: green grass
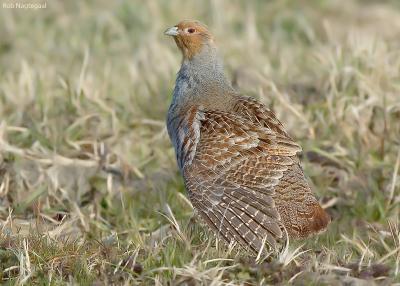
90	193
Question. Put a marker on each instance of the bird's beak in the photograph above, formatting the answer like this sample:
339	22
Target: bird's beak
173	31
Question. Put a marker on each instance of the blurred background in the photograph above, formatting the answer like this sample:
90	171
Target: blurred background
86	163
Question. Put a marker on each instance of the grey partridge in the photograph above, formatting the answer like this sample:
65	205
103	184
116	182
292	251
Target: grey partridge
240	167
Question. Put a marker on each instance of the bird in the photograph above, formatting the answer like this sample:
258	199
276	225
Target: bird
240	167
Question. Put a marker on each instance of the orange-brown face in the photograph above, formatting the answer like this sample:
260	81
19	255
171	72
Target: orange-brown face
190	36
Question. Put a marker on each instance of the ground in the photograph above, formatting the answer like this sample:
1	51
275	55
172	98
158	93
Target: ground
90	192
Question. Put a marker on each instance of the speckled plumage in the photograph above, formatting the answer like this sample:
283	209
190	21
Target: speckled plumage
239	165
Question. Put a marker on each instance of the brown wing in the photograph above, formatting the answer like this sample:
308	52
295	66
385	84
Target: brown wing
256	112
300	212
232	177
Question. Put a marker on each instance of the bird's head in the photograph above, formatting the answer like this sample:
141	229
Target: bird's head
190	37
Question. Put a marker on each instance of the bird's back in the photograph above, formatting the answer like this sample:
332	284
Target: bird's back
243	174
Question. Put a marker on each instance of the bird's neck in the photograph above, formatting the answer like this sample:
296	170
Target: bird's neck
201	78
206	64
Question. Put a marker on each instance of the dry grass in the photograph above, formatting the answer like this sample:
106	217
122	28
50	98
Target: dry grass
89	189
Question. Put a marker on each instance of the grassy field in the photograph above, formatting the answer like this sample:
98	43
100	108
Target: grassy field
90	193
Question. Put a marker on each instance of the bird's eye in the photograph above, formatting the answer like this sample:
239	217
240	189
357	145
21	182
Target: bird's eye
191	30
